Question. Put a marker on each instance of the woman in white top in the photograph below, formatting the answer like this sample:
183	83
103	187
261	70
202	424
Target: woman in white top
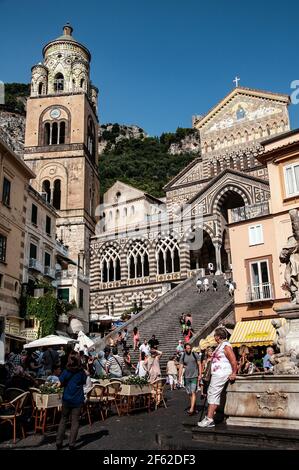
141	369
224	368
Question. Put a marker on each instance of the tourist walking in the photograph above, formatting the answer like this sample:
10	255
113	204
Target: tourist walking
211	268
100	365
153	342
136	338
199	285
72	379
172	373
192	364
182	322
115	365
145	347
141	369
180	348
224	368
206	370
206	284
50	359
125	338
129	367
153	365
215	285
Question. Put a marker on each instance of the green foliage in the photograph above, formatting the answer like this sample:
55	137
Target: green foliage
15	97
144	163
45	310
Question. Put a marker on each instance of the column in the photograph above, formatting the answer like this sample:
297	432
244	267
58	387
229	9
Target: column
123	267
152	262
184	258
217	246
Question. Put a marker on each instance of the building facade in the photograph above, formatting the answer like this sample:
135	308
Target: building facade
140	251
14	178
61	147
258	233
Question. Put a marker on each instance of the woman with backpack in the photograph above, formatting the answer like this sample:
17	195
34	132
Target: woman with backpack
100	365
72	379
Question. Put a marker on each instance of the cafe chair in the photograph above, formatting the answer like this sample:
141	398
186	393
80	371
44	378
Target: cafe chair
11	412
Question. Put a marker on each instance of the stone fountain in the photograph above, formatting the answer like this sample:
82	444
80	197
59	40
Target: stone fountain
272	400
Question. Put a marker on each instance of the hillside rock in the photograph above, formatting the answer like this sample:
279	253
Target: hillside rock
12	130
111	134
190	144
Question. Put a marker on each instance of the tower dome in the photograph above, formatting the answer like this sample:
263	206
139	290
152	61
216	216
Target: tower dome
66	40
65	68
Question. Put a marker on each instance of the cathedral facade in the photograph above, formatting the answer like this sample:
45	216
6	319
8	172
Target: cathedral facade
61	147
144	245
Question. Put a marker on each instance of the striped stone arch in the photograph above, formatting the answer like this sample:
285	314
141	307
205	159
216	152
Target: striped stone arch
205	228
247	198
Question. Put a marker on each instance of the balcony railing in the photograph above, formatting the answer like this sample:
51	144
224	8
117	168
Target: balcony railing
250	212
50	272
259	292
62	249
36	265
66	274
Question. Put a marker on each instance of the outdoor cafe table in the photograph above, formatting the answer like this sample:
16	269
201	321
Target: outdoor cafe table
44	403
134	397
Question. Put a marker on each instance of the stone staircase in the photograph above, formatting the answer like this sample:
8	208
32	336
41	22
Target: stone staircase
162	317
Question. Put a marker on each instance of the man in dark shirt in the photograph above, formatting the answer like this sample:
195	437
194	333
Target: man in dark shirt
153	342
50	359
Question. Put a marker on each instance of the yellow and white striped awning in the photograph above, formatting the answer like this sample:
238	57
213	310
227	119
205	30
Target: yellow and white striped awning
254	333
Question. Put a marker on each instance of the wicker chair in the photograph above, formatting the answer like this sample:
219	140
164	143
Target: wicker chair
112	397
95	399
11	393
158	388
11	411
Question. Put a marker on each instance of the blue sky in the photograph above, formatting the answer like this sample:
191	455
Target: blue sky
158	62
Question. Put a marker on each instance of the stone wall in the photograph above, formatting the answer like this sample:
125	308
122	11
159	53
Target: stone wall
12	130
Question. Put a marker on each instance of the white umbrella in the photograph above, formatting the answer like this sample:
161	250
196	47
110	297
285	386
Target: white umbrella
84	341
50	340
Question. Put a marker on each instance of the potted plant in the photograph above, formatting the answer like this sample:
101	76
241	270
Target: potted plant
135	385
49	396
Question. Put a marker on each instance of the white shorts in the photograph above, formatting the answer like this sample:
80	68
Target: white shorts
215	388
172	379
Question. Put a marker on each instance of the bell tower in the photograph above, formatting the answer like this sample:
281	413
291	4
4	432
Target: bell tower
61	144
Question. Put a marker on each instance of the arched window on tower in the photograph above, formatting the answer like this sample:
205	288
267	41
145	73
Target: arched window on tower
46	189
212	170
82	83
62	132
231	162
58	83
54	140
91	143
47	133
57	194
218	166
40	88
